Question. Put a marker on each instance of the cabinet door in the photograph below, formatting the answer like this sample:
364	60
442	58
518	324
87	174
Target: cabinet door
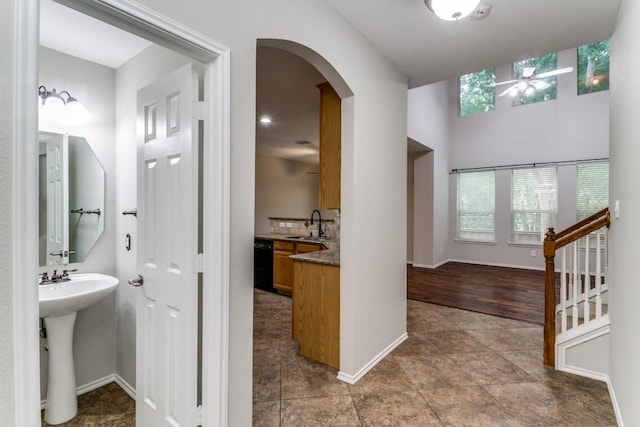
330	147
282	271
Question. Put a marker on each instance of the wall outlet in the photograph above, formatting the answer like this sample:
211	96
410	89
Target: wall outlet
289	225
281	225
533	252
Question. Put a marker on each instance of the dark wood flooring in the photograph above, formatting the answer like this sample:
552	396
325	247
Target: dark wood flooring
507	292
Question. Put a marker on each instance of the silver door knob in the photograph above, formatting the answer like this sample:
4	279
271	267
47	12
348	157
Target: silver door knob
138	281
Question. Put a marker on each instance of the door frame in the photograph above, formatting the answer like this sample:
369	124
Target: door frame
162	30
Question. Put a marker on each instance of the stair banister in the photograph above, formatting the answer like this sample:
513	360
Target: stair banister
552	242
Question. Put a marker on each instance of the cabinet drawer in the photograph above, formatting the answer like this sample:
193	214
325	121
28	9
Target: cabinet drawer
302	248
283	246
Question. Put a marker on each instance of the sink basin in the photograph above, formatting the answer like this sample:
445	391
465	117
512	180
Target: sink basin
59	304
83	290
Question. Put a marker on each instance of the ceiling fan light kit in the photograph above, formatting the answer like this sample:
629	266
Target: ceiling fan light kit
530	82
452	10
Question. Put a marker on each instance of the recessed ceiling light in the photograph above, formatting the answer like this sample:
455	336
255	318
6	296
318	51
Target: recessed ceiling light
265	120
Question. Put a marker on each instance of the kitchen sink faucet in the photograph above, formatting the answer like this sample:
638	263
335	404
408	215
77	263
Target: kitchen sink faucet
320	232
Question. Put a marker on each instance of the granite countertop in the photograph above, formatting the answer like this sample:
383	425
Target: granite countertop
329	256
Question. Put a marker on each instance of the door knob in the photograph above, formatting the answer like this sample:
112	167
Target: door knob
138	281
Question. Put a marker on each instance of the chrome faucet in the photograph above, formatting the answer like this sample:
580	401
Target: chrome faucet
320	232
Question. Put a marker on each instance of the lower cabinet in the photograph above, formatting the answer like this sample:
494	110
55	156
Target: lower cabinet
316	311
283	266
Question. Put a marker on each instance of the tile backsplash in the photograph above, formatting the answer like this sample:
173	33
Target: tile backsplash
302	227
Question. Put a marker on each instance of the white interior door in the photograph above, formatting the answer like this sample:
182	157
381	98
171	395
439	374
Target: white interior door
57	161
167	325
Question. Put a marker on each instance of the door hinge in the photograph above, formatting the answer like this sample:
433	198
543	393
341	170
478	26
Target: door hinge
197	415
198	263
199	110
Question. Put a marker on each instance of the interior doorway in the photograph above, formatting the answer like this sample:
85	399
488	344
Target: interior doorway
215	200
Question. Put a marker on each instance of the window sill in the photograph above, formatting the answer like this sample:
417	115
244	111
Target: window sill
526	244
476	242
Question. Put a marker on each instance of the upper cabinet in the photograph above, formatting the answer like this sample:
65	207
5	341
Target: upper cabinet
330	147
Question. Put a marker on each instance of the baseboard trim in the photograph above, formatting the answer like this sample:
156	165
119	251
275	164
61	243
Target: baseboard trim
86	388
431	266
125	386
352	379
497	264
614	401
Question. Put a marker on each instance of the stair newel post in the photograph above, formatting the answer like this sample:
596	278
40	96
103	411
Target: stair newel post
549	346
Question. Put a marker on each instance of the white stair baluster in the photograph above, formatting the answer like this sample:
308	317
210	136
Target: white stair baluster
598	275
563	291
587	280
574	287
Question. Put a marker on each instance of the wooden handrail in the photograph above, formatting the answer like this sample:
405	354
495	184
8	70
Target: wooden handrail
552	242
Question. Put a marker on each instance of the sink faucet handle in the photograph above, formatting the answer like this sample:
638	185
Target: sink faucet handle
45	276
65	273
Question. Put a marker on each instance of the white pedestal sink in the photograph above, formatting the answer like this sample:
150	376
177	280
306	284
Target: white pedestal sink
59	303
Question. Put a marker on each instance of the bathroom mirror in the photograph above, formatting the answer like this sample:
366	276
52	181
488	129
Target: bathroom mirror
71	198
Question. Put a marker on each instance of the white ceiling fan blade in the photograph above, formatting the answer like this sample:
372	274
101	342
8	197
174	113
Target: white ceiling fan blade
554	72
505	82
540	85
528	72
509	89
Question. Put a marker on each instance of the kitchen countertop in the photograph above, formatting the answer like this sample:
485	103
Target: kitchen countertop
329	256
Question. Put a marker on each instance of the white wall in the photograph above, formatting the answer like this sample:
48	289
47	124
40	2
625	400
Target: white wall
624	268
151	64
570	128
94	86
428	124
8	221
284	188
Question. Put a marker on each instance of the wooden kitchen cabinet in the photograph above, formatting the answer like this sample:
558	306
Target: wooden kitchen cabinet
330	147
283	265
316	311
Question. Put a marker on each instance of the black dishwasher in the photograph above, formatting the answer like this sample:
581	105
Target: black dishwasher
263	265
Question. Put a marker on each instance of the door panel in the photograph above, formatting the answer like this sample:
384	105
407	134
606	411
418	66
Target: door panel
167	346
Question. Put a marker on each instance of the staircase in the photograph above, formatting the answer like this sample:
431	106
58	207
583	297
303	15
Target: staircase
576	330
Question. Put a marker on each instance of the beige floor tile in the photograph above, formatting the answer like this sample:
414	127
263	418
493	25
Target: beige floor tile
302	377
332	411
385	378
458	341
469	406
266	414
490	368
434	372
400	409
502	339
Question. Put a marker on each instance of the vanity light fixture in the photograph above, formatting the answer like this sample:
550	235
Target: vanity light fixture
452	10
265	120
62	107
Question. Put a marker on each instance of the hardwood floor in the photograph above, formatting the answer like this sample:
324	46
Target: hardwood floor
507	292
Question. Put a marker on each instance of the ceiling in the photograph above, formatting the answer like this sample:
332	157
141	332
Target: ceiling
422	46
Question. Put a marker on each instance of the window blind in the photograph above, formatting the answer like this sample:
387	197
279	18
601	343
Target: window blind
476	206
534	203
592	188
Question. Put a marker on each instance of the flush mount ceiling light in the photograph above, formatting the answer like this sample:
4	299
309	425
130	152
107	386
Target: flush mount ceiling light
452	10
61	107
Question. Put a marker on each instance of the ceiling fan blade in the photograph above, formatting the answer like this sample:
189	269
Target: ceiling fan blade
505	82
528	72
508	90
553	72
540	85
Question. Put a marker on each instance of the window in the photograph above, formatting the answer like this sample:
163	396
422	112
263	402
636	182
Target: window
477	92
534	203
593	67
476	206
541	64
592	188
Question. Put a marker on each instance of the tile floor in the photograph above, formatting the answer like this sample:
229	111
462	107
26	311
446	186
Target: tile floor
106	406
457	368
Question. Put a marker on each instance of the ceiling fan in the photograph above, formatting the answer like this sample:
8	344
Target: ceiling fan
530	82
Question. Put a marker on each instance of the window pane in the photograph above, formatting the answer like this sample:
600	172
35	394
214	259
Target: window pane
592	188
477	92
532	95
593	67
476	206
534	201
